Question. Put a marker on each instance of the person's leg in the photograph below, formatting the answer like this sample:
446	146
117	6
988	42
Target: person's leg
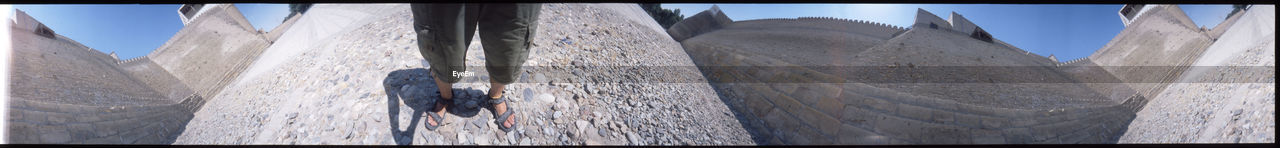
444	32
506	31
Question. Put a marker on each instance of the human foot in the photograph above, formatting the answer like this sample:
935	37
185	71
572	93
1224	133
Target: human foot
503	114
436	116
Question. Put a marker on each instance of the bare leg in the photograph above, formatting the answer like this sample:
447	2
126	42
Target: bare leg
495	92
446	89
446	92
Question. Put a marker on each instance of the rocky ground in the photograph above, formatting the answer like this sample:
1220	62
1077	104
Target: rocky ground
1214	112
370	87
1228	96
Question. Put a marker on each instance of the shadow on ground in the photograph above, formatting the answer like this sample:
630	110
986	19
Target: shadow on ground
759	137
419	92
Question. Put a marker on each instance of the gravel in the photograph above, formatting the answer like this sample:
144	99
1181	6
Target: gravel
369	86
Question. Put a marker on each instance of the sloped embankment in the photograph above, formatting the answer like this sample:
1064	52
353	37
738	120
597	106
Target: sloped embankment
81	96
595	75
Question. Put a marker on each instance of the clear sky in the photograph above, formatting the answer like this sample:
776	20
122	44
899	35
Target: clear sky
133	30
1066	31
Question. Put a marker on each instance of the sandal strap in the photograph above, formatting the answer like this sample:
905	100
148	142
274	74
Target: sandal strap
498	101
503	118
439	120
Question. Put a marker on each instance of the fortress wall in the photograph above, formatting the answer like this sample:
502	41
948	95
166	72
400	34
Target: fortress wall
37	122
801	42
1178	15
1096	78
234	14
937	54
24	22
275	33
1044	59
1160	42
156	78
1221	28
874	29
65	93
959	23
703	22
60	71
210	50
924	18
815	111
803	105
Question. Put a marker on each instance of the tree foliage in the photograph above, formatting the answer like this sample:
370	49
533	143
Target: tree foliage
1237	8
296	8
665	17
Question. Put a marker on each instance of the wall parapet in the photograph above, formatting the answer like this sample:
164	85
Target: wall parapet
872	28
1073	61
131	60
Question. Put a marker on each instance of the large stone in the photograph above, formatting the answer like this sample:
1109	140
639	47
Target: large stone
546	98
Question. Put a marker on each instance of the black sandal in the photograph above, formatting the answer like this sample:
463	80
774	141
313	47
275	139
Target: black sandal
510	111
435	114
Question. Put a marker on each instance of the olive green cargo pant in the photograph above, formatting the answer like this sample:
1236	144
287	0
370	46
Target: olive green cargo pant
445	30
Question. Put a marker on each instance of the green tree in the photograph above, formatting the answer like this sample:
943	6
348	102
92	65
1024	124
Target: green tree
664	17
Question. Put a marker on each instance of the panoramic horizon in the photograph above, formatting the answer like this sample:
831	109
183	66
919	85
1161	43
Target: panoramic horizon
139	28
149	26
638	74
1067	31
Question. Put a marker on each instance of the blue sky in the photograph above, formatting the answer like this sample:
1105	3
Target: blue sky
1066	31
133	30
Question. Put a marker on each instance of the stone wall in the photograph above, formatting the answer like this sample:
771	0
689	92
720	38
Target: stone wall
280	29
1154	49
703	22
809	105
210	50
857	113
156	78
67	93
22	21
56	70
959	23
1221	28
1096	78
924	19
875	29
